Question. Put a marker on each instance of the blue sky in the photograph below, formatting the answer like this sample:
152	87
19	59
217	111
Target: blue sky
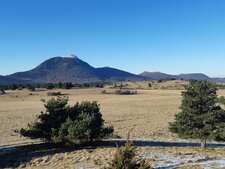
171	36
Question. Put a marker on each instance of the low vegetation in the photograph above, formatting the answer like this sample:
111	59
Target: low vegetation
201	117
165	80
125	92
49	86
2	91
126	158
62	123
121	92
54	93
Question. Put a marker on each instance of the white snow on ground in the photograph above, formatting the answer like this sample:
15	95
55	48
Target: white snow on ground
170	162
161	159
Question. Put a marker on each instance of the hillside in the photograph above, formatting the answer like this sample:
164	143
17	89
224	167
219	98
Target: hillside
69	69
156	75
60	69
5	80
195	76
112	74
72	69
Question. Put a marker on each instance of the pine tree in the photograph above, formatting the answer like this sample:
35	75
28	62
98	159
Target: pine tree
126	158
200	117
61	123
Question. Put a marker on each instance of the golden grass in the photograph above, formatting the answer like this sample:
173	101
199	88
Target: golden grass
100	157
148	112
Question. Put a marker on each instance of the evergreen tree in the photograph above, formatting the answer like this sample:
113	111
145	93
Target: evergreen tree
67	85
62	123
60	85
14	87
200	117
125	158
50	86
30	87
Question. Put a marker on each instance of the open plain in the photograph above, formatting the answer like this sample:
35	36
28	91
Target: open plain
147	113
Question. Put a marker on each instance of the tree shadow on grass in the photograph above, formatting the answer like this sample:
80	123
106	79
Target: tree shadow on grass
13	156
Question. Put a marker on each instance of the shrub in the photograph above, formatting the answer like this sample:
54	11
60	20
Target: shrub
2	91
54	93
125	92
29	87
120	92
104	92
62	123
125	158
160	81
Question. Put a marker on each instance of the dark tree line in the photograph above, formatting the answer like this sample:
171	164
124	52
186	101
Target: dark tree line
60	85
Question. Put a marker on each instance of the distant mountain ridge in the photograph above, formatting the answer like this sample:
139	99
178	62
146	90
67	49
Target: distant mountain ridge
72	69
188	76
69	69
159	75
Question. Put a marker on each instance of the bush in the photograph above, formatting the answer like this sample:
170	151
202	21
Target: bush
62	123
2	91
54	93
125	158
104	92
125	92
29	87
120	92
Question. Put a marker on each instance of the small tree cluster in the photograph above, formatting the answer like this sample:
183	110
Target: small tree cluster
64	85
62	123
165	80
125	158
120	85
53	93
120	92
201	116
30	87
125	92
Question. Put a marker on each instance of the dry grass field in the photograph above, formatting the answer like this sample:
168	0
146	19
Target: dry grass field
147	114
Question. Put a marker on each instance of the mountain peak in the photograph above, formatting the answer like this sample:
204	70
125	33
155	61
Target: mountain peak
72	69
72	56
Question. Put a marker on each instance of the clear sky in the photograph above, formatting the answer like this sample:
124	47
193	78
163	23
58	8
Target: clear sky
171	36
